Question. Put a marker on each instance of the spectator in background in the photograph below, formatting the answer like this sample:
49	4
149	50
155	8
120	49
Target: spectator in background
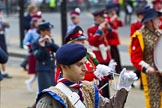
52	5
44	48
30	37
3	45
3	60
75	18
141	3
31	10
128	7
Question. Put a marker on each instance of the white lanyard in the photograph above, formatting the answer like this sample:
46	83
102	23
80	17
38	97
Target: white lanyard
73	96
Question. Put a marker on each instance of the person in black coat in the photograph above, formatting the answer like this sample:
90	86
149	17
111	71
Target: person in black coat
3	59
44	49
3	44
128	8
32	10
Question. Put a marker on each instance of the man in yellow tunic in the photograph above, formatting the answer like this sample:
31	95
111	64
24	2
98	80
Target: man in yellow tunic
141	52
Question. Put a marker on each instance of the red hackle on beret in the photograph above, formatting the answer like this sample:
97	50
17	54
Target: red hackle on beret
77	34
156	1
74	13
38	15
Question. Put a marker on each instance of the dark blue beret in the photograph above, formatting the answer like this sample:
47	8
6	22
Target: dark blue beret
45	26
70	53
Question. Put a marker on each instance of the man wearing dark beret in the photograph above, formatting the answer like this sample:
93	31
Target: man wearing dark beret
44	48
72	92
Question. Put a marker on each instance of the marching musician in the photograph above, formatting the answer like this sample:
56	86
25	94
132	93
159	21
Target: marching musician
113	37
72	92
141	53
44	48
97	38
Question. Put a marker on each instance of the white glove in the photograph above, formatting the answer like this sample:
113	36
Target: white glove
112	64
102	70
126	79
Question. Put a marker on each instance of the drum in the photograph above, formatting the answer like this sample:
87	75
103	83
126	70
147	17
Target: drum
158	54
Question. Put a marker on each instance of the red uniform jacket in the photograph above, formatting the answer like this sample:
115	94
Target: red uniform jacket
113	37
95	41
115	24
135	26
136	49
